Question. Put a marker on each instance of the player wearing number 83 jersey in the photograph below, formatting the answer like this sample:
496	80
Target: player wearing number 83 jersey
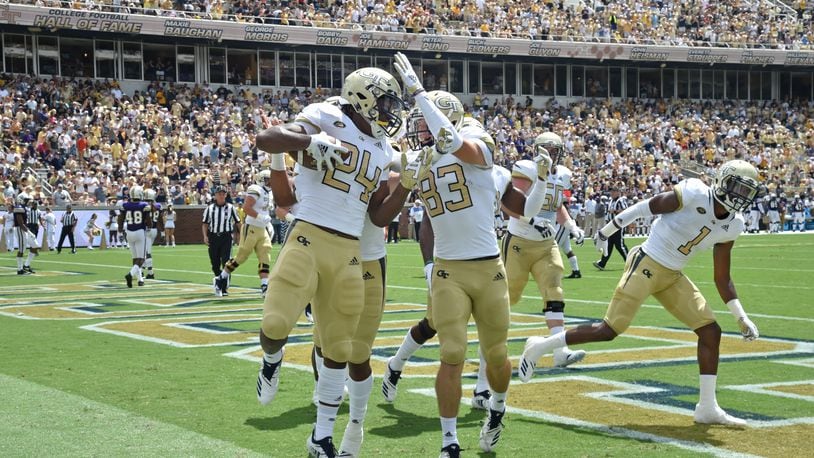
693	217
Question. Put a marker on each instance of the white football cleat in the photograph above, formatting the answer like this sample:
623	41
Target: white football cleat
390	382
715	416
351	440
267	387
480	400
490	432
565	357
323	448
531	354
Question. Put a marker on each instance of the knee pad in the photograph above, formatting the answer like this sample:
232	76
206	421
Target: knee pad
339	352
262	268
453	353
425	330
496	355
553	310
275	326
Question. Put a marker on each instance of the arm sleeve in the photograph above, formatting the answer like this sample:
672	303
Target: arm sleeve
447	139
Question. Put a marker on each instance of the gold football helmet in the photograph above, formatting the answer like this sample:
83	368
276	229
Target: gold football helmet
376	95
736	185
553	145
261	178
418	134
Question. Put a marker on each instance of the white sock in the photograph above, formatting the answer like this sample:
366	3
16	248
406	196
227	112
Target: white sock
330	387
19	263
264	281
498	402
135	271
556	329
707	390
140	275
483	382
405	351
358	395
449	429
574	263
273	358
30	258
224	274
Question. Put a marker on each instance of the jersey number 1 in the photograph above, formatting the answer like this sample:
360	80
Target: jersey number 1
687	247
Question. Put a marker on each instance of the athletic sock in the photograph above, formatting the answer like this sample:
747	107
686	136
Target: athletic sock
483	382
449	428
19	263
574	263
498	401
270	363
29	259
264	281
405	351
707	389
358	396
135	271
329	390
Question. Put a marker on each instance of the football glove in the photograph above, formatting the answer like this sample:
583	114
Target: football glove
601	243
325	150
543	161
748	329
263	219
413	172
408	76
428	275
578	234
543	226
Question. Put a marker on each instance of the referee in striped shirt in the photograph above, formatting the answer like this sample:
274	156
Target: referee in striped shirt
618	203
220	222
33	218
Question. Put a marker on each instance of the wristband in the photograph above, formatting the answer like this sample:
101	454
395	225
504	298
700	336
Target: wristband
736	308
278	162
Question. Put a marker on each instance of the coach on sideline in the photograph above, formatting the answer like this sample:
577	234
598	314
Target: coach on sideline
220	221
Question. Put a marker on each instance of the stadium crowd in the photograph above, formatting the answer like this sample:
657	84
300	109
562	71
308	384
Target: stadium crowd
738	23
184	140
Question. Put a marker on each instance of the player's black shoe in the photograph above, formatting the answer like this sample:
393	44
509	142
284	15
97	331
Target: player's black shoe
150	277
28	269
129	279
575	274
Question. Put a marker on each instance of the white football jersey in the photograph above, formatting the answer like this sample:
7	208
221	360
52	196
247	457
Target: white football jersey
338	198
677	236
460	200
371	243
262	203
556	185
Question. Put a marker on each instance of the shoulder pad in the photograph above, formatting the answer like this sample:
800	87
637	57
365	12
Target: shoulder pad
564	172
255	189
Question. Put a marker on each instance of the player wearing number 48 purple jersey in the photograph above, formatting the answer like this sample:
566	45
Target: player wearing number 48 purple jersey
693	217
137	215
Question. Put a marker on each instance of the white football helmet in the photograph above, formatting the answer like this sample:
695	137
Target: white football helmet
376	95
149	195
552	144
136	193
525	169
261	178
418	134
736	185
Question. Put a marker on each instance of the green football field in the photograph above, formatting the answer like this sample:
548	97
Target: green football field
89	367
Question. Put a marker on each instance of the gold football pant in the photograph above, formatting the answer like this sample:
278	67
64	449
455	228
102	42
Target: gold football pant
540	258
477	288
644	277
324	268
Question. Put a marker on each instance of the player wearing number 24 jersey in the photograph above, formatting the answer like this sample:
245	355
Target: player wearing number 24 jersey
321	260
694	217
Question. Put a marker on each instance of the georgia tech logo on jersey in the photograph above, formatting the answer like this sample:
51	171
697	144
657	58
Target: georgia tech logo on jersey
442	274
304	241
701	210
647	273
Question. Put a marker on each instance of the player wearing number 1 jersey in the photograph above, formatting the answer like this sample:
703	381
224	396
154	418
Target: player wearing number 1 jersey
694	217
321	259
137	215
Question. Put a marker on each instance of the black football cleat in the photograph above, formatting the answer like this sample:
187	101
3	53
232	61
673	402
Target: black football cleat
129	279
28	269
575	274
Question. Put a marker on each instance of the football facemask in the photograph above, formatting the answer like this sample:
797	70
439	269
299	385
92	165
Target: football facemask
418	133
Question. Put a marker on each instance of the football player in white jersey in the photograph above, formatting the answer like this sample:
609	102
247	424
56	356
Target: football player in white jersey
468	277
255	235
693	217
320	260
798	208
152	233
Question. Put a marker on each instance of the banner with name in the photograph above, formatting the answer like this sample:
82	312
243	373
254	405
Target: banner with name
53	19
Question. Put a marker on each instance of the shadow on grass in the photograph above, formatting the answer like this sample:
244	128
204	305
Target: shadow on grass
289	419
407	424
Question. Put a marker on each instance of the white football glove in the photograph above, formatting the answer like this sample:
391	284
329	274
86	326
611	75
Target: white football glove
408	76
325	150
543	226
748	329
263	219
428	275
543	161
601	243
578	234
